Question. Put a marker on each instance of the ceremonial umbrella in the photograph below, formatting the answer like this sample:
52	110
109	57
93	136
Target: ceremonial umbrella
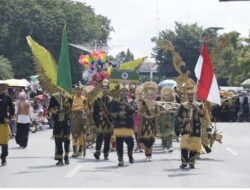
246	83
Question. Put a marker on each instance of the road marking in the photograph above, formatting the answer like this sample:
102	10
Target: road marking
73	171
231	151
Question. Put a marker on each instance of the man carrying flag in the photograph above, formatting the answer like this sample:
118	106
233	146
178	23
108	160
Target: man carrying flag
192	112
207	91
60	105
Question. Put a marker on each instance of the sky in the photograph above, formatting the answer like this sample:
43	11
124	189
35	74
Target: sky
135	22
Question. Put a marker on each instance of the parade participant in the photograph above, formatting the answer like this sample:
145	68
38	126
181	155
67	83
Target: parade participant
149	113
177	128
167	119
79	122
123	112
91	130
24	114
191	113
103	121
7	111
138	99
59	107
243	107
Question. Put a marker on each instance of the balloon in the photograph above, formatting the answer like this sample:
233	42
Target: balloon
96	67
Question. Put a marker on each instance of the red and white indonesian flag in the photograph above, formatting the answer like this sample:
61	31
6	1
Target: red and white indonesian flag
207	83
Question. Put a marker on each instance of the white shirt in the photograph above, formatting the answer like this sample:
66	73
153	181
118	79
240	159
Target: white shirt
25	118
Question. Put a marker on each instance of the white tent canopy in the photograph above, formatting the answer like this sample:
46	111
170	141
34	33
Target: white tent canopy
168	83
16	82
246	83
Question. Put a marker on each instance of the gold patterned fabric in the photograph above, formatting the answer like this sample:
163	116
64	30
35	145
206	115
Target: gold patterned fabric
191	143
79	103
148	126
123	132
4	134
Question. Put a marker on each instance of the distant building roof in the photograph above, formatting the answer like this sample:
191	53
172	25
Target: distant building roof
147	67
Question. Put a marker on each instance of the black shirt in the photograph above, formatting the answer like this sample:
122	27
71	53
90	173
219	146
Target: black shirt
7	109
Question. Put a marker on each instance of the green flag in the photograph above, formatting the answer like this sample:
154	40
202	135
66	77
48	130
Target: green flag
63	70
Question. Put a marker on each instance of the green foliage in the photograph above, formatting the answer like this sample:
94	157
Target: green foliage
44	21
124	57
6	69
234	61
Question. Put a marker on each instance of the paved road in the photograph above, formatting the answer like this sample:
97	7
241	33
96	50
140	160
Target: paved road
227	166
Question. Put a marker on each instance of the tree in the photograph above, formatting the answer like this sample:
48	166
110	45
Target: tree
6	69
44	21
233	59
124	57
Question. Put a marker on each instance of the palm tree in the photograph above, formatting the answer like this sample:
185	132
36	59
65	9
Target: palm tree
5	68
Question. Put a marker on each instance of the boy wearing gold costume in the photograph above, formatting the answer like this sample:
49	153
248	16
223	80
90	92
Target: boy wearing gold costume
149	115
190	113
78	122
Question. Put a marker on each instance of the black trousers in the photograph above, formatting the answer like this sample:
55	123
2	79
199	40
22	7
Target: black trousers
60	145
99	139
119	146
4	153
22	134
188	157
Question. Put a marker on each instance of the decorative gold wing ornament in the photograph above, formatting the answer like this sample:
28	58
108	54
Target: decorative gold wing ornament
183	80
167	46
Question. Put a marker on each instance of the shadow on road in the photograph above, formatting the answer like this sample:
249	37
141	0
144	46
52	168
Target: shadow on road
156	160
28	172
110	167
43	166
177	172
28	157
210	160
15	148
91	160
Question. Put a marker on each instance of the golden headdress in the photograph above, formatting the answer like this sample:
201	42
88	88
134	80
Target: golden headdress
191	87
150	86
139	90
105	82
168	91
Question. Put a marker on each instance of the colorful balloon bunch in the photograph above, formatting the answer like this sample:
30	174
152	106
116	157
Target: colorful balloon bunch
96	67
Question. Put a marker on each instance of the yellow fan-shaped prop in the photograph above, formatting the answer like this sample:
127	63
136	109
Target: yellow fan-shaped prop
45	66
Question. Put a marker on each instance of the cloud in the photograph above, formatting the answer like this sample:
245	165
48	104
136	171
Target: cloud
135	21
